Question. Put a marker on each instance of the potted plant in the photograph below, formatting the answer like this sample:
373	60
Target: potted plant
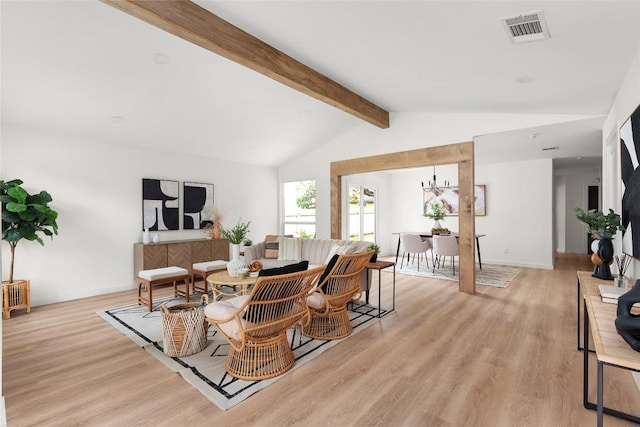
601	227
24	216
235	235
376	249
436	212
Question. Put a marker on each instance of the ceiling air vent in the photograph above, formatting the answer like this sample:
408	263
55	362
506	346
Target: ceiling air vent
550	148
526	27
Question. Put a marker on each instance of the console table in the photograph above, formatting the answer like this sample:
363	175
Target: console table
178	253
610	348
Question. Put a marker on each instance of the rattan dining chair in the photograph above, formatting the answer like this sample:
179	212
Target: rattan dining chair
256	324
328	303
413	244
444	246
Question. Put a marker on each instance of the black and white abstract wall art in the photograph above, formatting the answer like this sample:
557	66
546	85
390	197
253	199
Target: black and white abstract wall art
630	174
196	197
160	204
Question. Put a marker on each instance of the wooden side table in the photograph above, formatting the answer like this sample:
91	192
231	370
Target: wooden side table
222	278
381	265
15	295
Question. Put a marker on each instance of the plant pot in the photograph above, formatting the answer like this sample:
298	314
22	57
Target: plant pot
235	266
15	295
216	233
603	259
373	258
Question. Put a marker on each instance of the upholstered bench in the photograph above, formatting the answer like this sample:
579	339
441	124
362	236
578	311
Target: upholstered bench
204	270
161	276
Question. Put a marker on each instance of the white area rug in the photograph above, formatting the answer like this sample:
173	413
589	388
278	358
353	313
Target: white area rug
491	275
205	370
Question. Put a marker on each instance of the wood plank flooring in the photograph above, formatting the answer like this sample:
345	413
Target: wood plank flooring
502	357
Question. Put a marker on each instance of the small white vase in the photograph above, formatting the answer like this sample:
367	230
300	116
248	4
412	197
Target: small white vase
436	224
146	238
234	266
156	238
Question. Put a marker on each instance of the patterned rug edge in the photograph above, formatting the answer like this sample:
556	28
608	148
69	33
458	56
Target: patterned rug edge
195	379
507	274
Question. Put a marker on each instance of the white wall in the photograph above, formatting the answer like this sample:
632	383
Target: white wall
625	103
97	190
411	131
576	194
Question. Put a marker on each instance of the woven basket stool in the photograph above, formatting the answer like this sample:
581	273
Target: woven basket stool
184	328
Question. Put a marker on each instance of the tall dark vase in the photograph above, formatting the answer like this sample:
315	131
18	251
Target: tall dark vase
605	253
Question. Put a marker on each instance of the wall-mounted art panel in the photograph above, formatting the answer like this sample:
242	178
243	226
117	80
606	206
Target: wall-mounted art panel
630	175
448	198
196	197
160	204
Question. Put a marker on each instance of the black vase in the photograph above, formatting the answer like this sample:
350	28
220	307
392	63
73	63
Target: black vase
605	253
373	258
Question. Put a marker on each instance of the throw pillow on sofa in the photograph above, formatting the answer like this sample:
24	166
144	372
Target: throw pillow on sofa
289	248
337	249
271	247
291	268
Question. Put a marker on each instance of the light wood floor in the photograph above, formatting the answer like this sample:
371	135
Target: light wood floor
502	357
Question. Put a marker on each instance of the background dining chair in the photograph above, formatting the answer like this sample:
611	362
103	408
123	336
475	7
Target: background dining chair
444	246
413	244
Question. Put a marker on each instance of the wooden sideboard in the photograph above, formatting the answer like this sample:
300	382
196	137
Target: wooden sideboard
179	253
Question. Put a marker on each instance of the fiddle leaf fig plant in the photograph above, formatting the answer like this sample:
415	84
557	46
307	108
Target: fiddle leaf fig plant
25	215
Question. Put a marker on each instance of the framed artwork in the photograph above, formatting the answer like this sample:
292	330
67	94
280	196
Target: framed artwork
160	209
448	197
630	175
196	197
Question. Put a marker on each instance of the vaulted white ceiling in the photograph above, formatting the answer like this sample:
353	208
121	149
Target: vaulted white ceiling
86	68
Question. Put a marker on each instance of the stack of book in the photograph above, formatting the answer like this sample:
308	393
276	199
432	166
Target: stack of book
611	294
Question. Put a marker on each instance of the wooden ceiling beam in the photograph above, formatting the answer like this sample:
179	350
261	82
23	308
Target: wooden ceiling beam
197	25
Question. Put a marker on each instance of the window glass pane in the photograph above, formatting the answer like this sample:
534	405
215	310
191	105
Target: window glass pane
299	208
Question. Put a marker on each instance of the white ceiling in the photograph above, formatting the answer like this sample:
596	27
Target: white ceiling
72	66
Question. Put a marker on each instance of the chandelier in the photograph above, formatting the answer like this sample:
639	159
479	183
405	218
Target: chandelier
433	186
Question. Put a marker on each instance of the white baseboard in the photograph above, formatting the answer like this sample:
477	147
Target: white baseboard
3	413
517	264
636	376
51	299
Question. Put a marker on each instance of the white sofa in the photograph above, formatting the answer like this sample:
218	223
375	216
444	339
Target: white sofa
316	251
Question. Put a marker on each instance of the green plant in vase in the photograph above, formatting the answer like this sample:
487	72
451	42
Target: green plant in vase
436	212
601	227
376	250
236	235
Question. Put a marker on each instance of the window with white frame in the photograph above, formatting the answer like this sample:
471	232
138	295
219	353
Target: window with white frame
299	208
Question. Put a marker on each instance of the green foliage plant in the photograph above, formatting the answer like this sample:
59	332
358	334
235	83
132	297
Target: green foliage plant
599	225
437	212
307	200
25	215
304	234
236	234
373	247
